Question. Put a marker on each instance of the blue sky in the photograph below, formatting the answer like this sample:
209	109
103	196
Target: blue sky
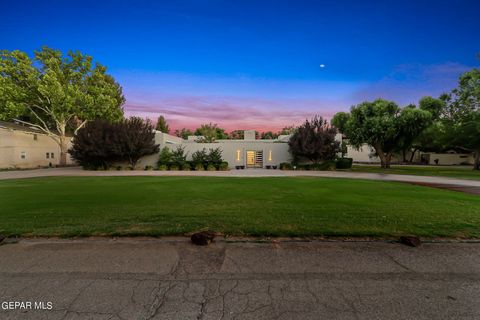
256	64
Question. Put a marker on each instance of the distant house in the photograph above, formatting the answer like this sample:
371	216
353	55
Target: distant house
26	147
366	154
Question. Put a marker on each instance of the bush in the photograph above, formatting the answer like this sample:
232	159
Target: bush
326	165
315	141
344	163
101	143
163	167
186	166
165	156
148	168
285	166
223	166
215	156
200	156
211	167
179	156
174	167
199	167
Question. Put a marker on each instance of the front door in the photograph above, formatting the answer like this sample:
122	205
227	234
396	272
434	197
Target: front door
254	159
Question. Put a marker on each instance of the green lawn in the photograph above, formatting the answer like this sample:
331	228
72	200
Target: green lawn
450	172
293	206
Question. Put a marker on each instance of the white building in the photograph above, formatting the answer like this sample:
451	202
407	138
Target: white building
248	152
26	147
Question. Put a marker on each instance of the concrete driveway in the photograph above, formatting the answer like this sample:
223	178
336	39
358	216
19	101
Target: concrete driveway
77	171
172	279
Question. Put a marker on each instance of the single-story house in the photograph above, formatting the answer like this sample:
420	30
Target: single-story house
26	147
247	152
22	146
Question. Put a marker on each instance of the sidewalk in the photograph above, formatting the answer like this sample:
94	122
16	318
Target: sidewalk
77	171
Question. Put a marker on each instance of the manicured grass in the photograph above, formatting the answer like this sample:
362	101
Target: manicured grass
450	171
293	206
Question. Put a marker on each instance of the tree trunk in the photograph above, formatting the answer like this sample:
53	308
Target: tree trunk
413	154
381	155
404	154
63	145
476	165
388	159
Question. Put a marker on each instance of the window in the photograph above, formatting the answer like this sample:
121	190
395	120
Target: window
52	155
270	155
238	155
23	155
47	155
35	137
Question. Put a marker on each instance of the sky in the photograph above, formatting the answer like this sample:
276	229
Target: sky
259	65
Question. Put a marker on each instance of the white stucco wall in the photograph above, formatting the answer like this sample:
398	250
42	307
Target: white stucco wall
448	159
279	150
15	142
362	155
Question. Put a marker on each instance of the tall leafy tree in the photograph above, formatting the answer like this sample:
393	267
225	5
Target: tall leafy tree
57	93
287	130
383	125
211	132
236	135
183	133
269	135
462	116
415	123
315	141
162	125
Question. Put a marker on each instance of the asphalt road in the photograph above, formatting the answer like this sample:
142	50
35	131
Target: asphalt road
172	279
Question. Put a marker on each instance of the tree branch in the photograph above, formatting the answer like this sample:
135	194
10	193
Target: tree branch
80	126
48	132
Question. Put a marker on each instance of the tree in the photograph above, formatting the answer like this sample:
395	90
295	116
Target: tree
57	94
100	143
138	140
268	135
236	135
287	130
162	125
428	139
183	133
211	132
383	125
96	145
314	140
462	116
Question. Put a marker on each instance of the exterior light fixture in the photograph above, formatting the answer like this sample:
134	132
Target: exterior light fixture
238	155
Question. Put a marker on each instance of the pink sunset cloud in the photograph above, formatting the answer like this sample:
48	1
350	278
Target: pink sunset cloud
231	113
261	104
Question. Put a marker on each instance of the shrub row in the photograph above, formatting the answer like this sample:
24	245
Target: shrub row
191	165
340	163
201	160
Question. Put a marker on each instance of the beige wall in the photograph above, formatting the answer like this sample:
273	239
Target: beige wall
362	155
279	150
14	143
447	159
